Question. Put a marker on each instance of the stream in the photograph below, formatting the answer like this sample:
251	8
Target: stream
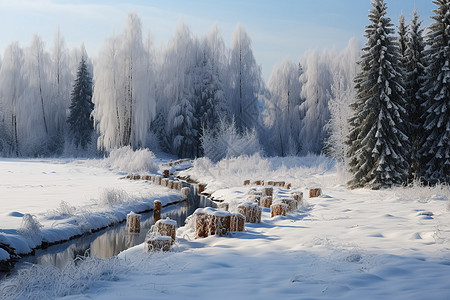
112	240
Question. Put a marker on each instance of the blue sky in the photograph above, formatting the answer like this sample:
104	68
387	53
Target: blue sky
279	29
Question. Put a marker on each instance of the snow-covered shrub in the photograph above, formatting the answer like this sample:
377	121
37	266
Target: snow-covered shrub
63	211
31	228
417	191
226	142
125	159
111	196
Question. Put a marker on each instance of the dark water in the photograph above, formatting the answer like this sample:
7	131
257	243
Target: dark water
112	240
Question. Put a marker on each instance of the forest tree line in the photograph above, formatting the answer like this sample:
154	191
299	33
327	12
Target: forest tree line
387	119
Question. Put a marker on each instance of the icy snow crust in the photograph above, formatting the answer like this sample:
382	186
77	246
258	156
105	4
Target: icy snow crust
53	200
346	244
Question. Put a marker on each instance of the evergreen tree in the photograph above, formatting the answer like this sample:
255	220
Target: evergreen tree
377	139
80	120
415	74
402	31
435	145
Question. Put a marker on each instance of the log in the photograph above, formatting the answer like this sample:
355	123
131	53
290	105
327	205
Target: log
167	227
267	191
246	182
278	209
237	223
266	202
315	192
185	191
159	243
156	211
201	188
134	222
251	212
166	173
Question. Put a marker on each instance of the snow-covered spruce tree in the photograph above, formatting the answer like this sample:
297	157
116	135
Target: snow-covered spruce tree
378	145
435	146
81	124
402	32
415	75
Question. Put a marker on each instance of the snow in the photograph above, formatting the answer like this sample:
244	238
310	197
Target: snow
345	244
54	199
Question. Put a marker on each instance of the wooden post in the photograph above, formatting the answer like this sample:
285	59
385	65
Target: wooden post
315	192
134	222
165	182
156	211
158	179
246	182
251	212
170	184
166	173
201	188
288	186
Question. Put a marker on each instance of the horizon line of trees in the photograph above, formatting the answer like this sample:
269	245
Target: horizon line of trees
194	97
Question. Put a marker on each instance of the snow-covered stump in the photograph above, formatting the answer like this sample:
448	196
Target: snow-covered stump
266	191
134	222
246	182
315	192
220	223
251	212
201	188
159	243
201	223
291	203
258	182
278	209
185	192
270	182
288	186
237	223
165	182
298	197
166	173
152	178
136	177
266	202
170	184
167	227
158	179
156	211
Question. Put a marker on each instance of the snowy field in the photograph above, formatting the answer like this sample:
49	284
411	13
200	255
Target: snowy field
346	244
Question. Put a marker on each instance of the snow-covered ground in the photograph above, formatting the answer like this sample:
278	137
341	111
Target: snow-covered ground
52	200
346	244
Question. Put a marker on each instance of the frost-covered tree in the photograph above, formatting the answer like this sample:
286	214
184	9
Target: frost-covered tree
124	105
435	144
378	145
402	33
282	109
246	81
80	120
341	97
11	88
316	87
415	74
